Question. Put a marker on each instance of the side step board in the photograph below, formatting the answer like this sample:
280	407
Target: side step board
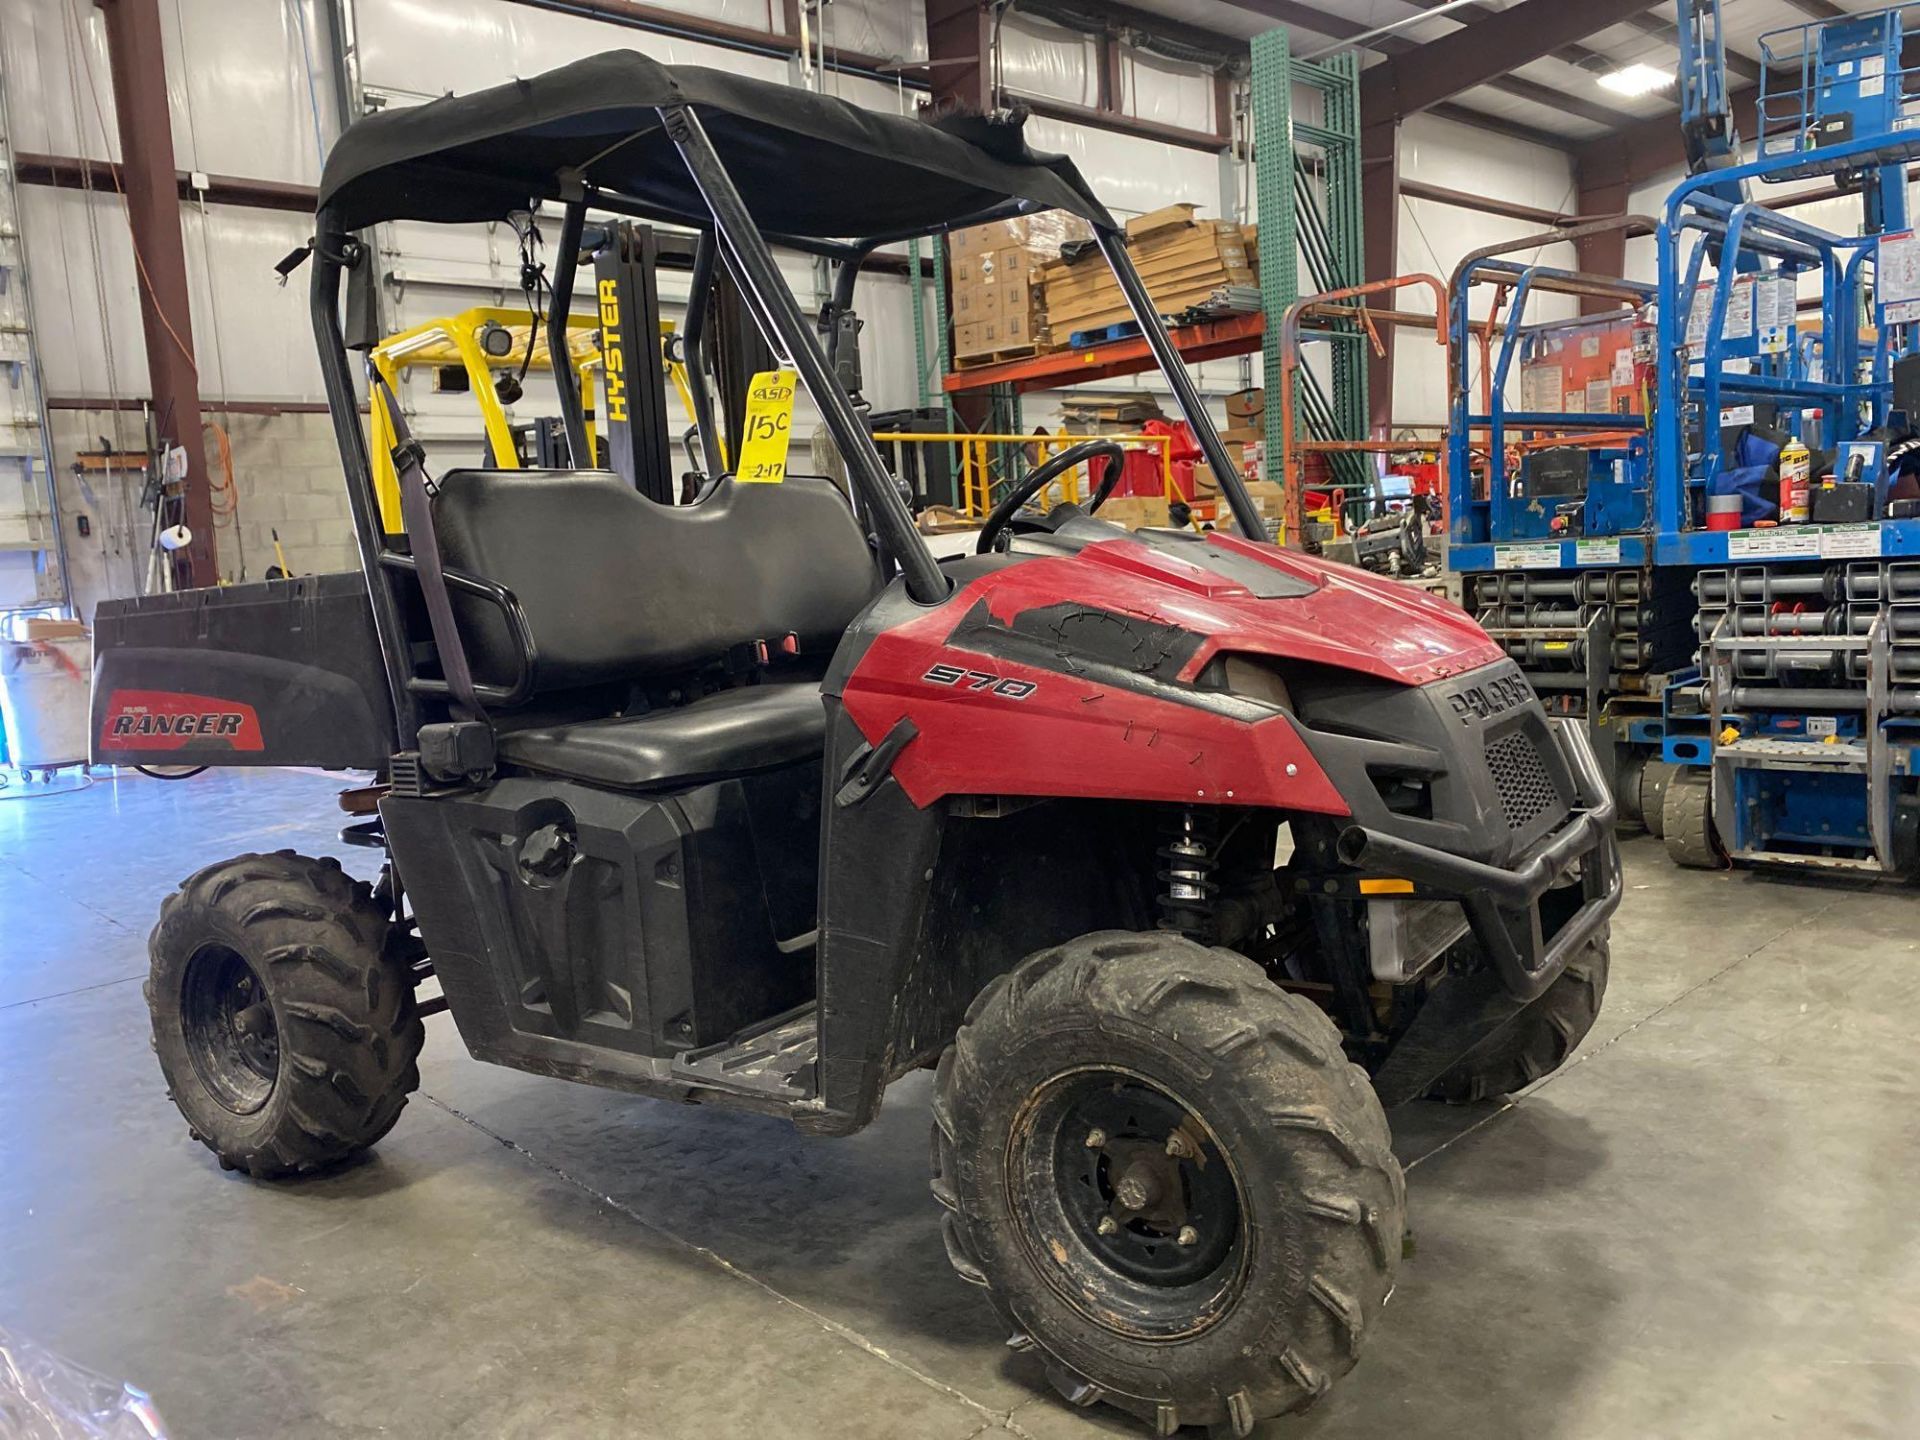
777	1061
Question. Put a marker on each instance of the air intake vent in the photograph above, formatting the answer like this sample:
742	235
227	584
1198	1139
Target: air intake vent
1526	789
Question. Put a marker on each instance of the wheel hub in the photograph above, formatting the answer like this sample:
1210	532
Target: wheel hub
231	1036
1131	1200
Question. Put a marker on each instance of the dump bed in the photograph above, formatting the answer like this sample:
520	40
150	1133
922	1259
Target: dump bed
283	672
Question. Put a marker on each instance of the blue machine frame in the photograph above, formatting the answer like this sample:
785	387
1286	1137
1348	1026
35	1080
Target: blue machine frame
1804	710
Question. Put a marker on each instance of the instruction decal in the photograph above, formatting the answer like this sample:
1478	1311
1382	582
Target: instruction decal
1897	276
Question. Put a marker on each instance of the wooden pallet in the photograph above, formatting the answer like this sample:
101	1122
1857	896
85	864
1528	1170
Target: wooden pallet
994	357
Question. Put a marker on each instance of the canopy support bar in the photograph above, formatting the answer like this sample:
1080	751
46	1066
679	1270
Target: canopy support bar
1225	471
566	260
699	302
754	264
332	251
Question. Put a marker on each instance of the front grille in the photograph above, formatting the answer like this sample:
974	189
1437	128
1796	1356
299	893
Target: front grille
1526	788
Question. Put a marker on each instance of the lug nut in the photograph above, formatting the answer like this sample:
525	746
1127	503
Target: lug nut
1096	1138
1178	1146
1187	1236
1108	1225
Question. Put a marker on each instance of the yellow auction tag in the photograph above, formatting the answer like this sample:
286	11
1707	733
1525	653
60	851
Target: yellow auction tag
768	427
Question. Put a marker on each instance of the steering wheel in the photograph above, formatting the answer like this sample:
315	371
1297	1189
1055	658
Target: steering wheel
1043	475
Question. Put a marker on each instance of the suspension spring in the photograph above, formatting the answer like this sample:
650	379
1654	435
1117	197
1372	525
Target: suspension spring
1186	878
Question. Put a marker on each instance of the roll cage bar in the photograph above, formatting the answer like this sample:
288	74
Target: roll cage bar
729	237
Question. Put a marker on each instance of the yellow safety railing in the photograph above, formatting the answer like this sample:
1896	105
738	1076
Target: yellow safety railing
976	463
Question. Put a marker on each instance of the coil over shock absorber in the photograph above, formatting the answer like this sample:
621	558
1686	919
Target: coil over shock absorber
1186	877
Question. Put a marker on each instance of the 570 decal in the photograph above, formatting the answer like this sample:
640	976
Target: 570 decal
962	678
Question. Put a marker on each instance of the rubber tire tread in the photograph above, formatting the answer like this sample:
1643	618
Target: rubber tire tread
1268	1053
331	963
1687	825
1541	1038
1657	777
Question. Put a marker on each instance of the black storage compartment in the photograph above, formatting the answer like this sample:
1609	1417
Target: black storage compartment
283	672
571	925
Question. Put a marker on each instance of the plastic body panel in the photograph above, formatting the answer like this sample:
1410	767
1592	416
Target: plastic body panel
1016	689
284	672
659	930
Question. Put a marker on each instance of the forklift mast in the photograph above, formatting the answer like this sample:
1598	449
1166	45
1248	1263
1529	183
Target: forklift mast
633	384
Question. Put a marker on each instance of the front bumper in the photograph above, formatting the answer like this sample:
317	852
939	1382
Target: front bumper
1502	905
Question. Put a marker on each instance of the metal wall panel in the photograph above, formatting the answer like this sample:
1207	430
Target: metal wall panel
425	48
251	87
90	338
1434	237
1049	60
895	28
251	335
1130	174
237	83
53	109
1166	91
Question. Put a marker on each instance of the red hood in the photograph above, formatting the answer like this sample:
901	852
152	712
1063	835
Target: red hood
1343	616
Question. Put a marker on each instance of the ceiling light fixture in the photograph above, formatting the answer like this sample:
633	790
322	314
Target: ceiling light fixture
1636	79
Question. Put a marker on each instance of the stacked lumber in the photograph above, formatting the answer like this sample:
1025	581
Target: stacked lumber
1185	262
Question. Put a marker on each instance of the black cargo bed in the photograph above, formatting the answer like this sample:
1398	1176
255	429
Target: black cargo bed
283	672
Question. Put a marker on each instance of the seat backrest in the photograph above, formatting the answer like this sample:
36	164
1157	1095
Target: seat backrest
616	587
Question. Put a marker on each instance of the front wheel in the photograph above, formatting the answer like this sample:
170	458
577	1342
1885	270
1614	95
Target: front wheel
283	1016
1169	1179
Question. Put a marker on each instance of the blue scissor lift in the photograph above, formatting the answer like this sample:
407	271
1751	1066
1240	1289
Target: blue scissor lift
1782	728
1557	557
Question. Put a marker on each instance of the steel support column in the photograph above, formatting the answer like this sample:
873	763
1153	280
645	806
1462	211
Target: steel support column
1604	253
959	54
959	65
1380	205
153	212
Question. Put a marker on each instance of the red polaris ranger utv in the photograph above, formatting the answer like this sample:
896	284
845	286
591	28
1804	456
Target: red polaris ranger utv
1174	854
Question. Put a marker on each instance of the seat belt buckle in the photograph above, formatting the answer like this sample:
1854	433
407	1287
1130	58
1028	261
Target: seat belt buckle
790	643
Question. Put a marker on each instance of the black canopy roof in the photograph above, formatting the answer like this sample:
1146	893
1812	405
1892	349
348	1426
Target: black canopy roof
806	164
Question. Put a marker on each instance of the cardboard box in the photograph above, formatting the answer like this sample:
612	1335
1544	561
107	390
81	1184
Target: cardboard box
1181	261
1136	512
1015	262
1167	217
971	305
972	338
1268	498
1043	233
1247	407
41	628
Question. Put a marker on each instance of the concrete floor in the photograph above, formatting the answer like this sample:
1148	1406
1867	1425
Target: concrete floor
1704	1227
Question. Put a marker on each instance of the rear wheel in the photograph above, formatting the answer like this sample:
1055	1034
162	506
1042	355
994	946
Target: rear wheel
1540	1039
1169	1178
282	1015
1688	828
1656	778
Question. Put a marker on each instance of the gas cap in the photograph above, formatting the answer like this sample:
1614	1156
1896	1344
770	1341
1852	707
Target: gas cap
547	852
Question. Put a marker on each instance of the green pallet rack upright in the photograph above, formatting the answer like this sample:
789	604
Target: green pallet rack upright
1310	212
